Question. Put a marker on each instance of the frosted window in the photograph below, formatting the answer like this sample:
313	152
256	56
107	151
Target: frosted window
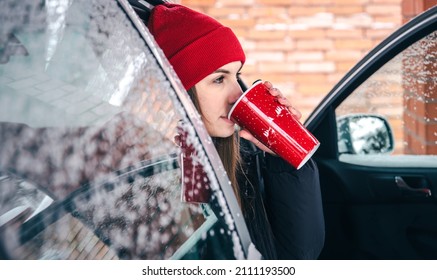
89	167
403	92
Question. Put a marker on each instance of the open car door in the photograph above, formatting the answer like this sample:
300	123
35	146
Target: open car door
378	157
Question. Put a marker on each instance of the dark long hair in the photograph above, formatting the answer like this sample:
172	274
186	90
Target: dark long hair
228	149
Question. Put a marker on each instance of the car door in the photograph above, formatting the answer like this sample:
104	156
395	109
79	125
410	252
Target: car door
89	163
378	153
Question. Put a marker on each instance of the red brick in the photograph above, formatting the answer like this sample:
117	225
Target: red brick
288	2
431	133
314	89
274	56
273	23
418	147
344	66
397	126
280	45
348	2
248	68
266	11
379	34
397	2
282	80
388	111
232	3
248	45
265	67
419	110
334	78
413	88
410	8
308	78
310	101
305	56
350	44
191	3
316	67
240	32
380	9
311	2
238	23
345	10
307	34
409	122
276	78
224	12
344	55
421	131
316	44
266	35
396	19
429	4
339	33
430	111
431	150
425	111
306	10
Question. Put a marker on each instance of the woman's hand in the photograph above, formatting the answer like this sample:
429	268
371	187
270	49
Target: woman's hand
282	100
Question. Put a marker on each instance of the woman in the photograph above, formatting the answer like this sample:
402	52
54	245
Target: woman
281	205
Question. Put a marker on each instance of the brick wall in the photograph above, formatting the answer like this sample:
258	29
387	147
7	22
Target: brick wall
304	46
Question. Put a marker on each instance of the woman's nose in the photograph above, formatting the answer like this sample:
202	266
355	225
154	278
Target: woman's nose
236	93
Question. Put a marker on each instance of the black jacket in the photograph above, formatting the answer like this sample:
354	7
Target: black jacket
282	206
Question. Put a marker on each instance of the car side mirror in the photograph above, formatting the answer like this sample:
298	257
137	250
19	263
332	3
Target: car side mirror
364	134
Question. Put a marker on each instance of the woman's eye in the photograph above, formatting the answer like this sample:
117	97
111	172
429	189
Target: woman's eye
219	80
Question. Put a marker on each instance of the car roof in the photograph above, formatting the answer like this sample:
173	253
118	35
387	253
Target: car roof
143	8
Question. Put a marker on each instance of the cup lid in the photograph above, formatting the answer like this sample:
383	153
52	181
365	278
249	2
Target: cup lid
241	97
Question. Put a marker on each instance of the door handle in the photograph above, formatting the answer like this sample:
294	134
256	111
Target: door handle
426	192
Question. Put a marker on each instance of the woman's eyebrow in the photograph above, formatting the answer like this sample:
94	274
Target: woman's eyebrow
224	71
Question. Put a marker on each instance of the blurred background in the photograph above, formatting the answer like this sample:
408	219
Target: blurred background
304	47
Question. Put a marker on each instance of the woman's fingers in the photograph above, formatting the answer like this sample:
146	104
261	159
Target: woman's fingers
273	91
282	100
268	84
295	112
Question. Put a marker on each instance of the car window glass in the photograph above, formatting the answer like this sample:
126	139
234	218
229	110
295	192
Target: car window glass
398	101
90	164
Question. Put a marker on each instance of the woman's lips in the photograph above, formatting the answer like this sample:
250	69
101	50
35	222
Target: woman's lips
225	118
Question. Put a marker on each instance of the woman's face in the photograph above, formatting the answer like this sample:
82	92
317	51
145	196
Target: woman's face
217	93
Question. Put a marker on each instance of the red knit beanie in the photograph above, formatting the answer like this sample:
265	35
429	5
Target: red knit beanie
195	44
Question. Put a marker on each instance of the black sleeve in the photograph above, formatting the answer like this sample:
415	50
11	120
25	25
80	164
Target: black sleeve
294	206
